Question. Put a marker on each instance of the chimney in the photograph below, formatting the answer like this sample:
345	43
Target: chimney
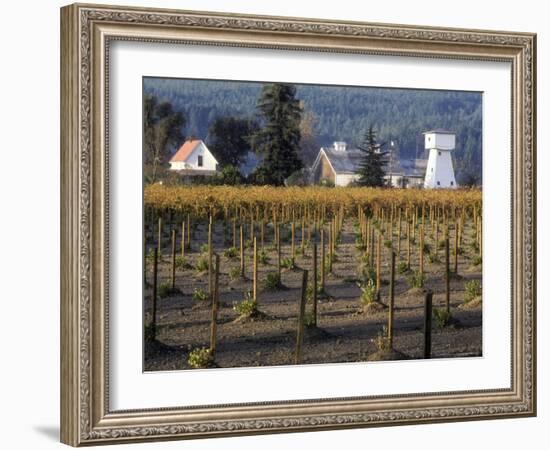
340	146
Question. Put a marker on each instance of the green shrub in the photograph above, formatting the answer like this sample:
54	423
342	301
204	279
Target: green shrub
442	317
263	257
434	258
476	261
200	295
204	248
388	243
416	279
234	273
272	281
200	358
182	263
309	319
381	341
288	263
473	289
202	264
427	248
247	307
402	268
231	252
368	292
164	289
367	273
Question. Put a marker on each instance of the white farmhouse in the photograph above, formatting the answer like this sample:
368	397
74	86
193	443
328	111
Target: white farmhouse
439	171
194	158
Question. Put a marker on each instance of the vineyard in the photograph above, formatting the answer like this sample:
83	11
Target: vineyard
258	276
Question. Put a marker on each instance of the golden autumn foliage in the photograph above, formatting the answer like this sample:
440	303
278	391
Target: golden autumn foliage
201	200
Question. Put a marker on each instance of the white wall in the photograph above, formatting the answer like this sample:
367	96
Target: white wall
439	172
30	225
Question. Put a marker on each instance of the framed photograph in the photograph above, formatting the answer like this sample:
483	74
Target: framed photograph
277	224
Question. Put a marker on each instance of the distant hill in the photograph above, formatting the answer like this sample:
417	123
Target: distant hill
344	113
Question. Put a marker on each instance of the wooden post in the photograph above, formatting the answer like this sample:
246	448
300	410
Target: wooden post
399	233
154	297
378	264
301	313
408	245
262	235
303	242
173	279
241	237
210	260
159	239
314	285
456	248
292	245
234	232
330	247
371	251
390	305
255	272
421	247
188	232
278	239
183	238
323	258
428	325
215	303
447	276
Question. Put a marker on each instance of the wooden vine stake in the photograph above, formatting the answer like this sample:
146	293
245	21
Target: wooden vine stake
391	301
447	277
241	238
154	295
173	277
378	264
278	239
255	272
456	249
314	310
323	259
428	325
159	238
183	238
210	260
215	305
301	313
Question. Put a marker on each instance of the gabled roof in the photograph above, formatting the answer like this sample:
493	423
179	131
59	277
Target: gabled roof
185	150
342	161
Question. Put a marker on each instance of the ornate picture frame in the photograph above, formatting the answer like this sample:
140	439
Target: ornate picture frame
86	34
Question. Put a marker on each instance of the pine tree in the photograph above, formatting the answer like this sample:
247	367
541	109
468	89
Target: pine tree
371	168
279	138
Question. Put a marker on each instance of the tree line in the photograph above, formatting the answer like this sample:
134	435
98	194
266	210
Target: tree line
287	124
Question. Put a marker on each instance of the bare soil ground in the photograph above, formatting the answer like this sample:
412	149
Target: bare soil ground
344	333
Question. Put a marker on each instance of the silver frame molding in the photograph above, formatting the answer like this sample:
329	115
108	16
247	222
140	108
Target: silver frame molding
86	31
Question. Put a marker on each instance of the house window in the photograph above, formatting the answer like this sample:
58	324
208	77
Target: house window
432	169
439	153
200	162
452	183
438	183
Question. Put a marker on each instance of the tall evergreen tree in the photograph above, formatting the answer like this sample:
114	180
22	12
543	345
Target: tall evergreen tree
371	168
228	139
279	138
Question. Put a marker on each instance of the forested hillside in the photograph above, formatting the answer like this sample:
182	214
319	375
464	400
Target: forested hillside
342	113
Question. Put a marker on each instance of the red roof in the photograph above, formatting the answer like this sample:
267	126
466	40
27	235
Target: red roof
185	150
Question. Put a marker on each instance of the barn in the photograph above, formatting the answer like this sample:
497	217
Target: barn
336	165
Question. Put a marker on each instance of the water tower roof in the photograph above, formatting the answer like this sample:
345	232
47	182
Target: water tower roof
439	131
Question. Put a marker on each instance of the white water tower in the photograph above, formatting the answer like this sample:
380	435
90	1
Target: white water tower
439	171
